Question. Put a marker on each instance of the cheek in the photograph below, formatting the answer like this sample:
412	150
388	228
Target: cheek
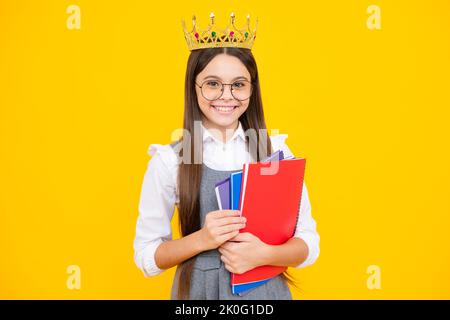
204	106
202	102
243	108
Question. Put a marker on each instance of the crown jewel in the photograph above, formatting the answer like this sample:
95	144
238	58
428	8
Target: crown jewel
214	37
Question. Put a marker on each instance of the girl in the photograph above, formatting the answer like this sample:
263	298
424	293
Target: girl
222	95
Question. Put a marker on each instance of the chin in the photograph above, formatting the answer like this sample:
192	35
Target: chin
223	122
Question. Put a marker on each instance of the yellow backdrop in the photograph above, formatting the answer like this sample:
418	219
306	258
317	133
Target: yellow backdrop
360	87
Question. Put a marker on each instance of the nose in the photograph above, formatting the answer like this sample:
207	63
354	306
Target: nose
226	94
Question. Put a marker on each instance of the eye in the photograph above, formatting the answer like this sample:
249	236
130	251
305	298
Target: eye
239	85
213	84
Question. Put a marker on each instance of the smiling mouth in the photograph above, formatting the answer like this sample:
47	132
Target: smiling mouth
224	109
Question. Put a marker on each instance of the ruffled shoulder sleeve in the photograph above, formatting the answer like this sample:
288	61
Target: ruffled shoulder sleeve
165	151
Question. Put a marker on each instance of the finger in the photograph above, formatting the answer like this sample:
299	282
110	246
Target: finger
228	267
234	239
230	220
226	213
225	253
223	250
227	236
229	228
228	245
225	259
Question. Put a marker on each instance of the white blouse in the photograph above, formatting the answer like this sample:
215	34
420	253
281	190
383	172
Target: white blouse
159	195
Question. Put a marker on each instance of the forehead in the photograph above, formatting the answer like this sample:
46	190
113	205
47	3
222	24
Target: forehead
225	67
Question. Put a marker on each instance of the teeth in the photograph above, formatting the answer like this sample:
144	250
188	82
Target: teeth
224	109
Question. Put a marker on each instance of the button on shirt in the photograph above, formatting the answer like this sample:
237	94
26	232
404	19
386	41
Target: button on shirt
159	195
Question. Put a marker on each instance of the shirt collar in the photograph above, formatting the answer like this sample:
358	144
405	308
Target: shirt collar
238	133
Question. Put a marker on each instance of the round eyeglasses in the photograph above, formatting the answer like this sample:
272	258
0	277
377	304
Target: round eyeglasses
213	89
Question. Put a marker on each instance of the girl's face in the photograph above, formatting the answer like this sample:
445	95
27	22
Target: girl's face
224	112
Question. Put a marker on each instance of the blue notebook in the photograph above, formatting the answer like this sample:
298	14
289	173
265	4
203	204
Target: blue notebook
235	189
243	289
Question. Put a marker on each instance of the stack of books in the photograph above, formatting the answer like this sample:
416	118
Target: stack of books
268	194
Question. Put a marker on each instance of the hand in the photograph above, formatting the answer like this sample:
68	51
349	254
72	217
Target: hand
219	227
244	252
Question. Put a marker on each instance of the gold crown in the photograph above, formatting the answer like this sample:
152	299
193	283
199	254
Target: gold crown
214	37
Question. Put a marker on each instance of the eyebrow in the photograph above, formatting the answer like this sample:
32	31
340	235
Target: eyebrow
217	77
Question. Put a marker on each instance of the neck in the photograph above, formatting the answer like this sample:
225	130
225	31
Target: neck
221	133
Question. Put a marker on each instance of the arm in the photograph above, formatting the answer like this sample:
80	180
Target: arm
156	207
173	252
306	231
290	254
247	251
219	227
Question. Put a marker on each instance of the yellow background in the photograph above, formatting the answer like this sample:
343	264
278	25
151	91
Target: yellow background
369	109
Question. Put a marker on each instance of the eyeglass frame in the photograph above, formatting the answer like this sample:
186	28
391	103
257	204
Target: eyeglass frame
223	89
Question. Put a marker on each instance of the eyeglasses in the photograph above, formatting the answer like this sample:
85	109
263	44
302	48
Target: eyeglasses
213	89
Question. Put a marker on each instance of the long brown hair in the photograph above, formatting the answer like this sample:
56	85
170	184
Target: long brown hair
190	172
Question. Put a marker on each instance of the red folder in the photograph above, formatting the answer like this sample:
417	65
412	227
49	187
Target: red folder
271	203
